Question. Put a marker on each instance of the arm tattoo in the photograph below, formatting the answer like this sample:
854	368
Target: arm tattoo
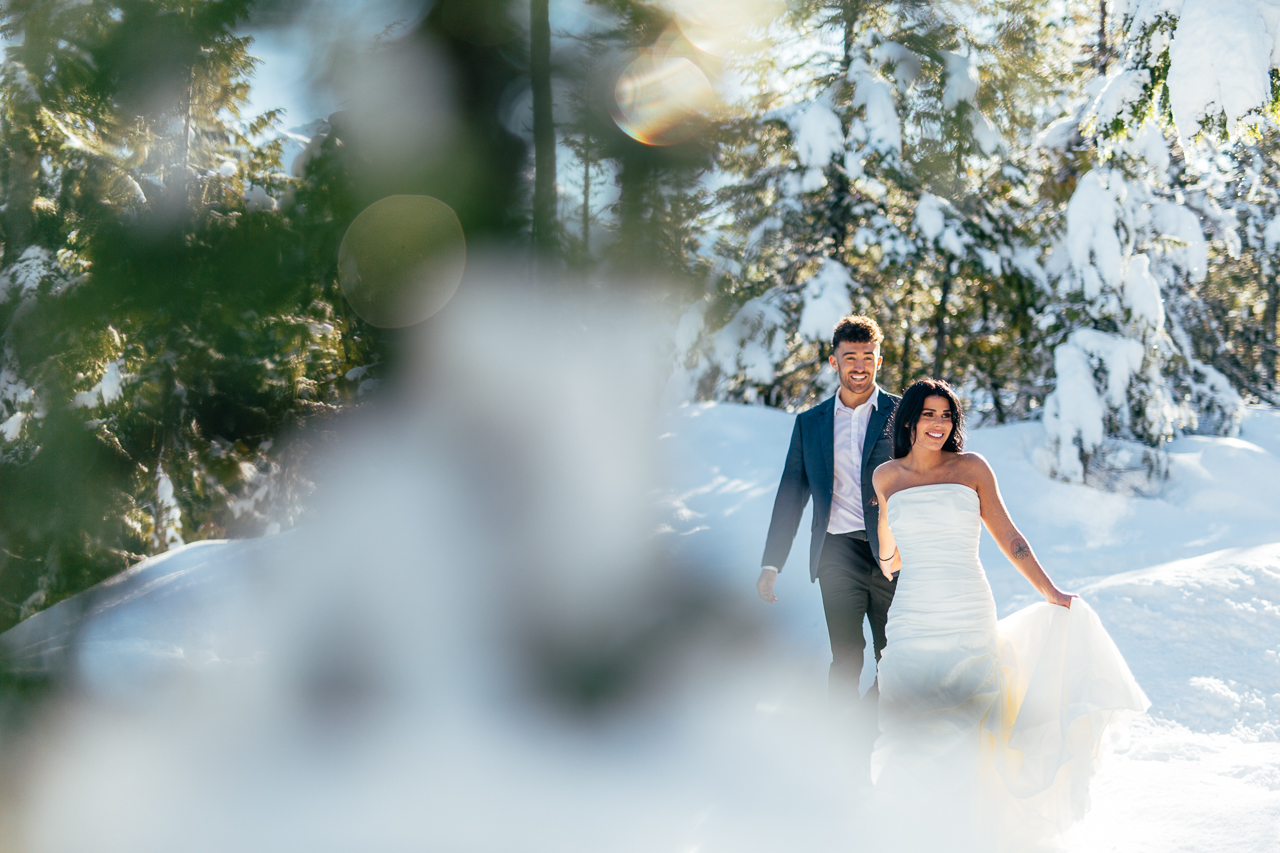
1021	550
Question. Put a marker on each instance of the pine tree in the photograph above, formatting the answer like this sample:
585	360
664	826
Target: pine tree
1127	274
545	230
887	187
164	320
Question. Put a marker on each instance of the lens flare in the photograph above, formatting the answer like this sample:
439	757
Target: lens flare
722	27
662	95
402	260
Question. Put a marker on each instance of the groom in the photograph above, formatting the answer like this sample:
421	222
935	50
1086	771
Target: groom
835	448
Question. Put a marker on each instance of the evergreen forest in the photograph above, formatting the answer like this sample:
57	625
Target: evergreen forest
1032	198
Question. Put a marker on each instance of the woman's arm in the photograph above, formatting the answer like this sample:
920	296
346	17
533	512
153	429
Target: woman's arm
880	479
1007	536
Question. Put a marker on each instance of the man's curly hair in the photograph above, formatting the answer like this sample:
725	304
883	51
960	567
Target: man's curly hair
857	329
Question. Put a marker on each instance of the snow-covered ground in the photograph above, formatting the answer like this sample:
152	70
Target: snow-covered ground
1187	583
408	705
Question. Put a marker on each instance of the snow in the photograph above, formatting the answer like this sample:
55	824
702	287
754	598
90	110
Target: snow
906	64
357	372
257	198
985	133
1220	62
1178	222
953	241
1187	583
12	427
168	515
817	138
107	390
929	216
1103	206
882	130
961	81
112	382
931	220
752	341
1143	13
1027	261
1223	600
1074	413
1127	240
990	260
27	272
1150	145
1122	90
1142	293
1059	134
85	399
135	190
688	329
388	678
1092	242
303	144
826	300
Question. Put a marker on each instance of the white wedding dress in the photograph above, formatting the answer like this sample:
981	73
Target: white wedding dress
990	731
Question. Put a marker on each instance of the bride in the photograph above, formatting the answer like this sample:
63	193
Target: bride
990	731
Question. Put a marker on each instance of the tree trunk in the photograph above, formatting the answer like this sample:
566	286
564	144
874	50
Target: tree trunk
1269	318
632	242
586	200
840	200
839	212
544	130
849	18
904	369
940	323
184	165
995	401
1104	52
19	218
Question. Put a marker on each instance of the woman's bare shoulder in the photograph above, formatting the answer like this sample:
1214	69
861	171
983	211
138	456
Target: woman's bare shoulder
886	473
972	459
974	466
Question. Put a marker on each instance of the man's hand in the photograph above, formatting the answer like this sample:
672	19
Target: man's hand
764	585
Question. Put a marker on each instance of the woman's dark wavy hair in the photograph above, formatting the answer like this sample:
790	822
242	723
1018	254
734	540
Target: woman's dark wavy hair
908	415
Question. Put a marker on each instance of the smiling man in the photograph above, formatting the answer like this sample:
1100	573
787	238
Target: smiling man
835	448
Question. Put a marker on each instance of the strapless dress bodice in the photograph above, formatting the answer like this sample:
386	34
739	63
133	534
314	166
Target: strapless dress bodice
947	515
942	587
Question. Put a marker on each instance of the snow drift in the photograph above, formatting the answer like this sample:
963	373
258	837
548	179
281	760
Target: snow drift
418	674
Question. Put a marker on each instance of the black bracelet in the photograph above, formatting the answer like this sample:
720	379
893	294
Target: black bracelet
888	558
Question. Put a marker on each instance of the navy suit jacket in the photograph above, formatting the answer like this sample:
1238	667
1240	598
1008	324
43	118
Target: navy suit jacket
810	469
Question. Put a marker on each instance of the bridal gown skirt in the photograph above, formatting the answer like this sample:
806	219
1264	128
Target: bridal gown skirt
990	730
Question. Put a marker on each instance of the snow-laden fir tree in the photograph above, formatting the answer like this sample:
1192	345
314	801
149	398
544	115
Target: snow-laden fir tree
1231	317
1128	376
163	320
881	181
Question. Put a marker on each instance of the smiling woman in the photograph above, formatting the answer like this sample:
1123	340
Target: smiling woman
993	727
928	450
933	404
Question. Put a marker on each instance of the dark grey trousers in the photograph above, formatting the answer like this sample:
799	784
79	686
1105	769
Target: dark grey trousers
852	588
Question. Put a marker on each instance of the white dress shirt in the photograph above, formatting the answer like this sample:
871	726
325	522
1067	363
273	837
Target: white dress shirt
846	494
